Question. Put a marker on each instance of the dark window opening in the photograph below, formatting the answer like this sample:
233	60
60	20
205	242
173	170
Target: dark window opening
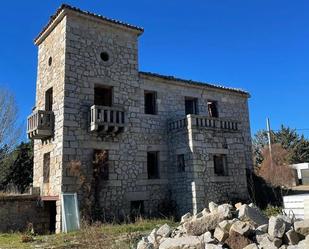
181	163
191	105
150	102
103	96
220	163
46	167
100	164
153	165
50	61
137	208
213	109
104	56
52	209
49	100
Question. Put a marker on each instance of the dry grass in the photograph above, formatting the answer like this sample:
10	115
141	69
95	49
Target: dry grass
97	236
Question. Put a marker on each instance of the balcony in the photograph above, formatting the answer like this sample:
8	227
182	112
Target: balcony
107	120
204	122
40	125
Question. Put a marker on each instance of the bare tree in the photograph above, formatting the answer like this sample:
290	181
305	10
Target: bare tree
277	173
9	130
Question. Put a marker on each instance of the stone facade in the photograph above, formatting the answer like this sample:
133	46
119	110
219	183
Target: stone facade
70	61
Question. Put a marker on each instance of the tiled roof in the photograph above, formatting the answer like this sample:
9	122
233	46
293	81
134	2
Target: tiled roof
172	78
66	6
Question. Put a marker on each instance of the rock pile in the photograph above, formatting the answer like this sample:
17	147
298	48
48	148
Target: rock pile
222	226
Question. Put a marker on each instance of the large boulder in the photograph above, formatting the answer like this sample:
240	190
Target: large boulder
186	217
243	228
226	224
164	231
276	227
201	225
237	241
213	246
225	210
207	238
252	246
302	227
291	237
253	214
304	244
267	243
144	244
220	234
213	207
183	242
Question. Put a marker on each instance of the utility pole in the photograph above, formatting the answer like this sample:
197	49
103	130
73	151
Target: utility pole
269	142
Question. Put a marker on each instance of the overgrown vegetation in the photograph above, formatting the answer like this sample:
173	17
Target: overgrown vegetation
98	236
17	169
296	145
272	177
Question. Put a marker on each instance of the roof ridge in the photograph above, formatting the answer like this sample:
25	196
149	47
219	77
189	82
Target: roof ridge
193	82
69	7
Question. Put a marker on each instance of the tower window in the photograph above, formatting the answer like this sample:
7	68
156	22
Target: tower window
153	164
190	105
46	167
49	99
213	109
104	56
220	165
103	96
50	61
181	163
150	102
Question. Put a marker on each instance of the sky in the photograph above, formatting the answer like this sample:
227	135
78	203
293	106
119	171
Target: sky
261	46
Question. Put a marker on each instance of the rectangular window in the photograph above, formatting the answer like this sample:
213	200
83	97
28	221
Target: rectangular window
49	100
181	163
137	208
220	165
150	98
190	105
100	164
46	167
213	109
103	96
153	165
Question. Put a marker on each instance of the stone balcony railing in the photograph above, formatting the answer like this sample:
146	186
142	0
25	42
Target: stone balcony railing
40	125
106	119
199	121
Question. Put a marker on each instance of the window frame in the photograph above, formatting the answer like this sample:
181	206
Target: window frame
217	171
210	112
181	163
154	107
49	99
110	100
156	173
194	106
46	167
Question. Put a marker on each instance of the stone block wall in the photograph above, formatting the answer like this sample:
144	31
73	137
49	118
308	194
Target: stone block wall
16	212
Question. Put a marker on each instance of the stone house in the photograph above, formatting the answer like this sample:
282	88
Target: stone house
164	139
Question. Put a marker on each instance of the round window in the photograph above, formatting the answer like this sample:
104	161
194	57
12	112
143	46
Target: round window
104	56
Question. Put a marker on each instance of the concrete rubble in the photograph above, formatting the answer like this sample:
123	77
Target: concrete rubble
223	226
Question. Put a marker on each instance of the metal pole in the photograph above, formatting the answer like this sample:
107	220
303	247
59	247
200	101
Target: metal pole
269	142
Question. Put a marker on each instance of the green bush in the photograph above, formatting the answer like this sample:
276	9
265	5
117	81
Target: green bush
272	211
